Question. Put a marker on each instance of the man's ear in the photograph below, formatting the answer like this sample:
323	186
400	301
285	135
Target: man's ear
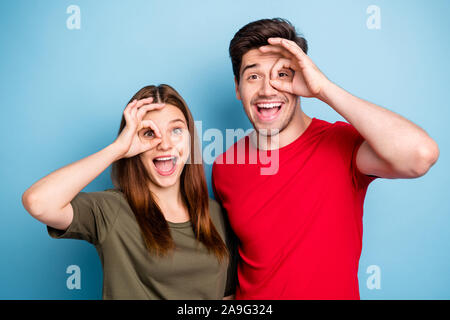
236	87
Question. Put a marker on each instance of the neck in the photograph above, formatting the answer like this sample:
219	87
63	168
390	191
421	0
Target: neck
171	202
298	124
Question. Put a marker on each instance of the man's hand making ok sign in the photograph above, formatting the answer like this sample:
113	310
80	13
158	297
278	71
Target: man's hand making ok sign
308	80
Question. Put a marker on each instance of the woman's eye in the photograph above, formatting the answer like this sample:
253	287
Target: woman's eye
149	134
178	131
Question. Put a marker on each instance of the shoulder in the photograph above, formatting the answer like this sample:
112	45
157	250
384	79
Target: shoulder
347	135
94	215
107	201
216	213
338	133
214	208
114	194
321	126
226	166
229	156
343	128
109	195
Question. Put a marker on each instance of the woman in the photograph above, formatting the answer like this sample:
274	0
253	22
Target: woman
157	233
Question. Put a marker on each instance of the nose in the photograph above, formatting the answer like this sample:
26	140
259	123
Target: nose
266	89
166	142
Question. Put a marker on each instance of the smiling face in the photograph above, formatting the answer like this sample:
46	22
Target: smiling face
266	107
165	162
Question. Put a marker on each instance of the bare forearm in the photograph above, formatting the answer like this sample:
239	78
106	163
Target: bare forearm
394	138
57	189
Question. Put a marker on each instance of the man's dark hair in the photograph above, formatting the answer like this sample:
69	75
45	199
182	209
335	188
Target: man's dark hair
255	35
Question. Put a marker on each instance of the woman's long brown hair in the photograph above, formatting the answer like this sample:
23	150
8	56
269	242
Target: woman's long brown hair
130	176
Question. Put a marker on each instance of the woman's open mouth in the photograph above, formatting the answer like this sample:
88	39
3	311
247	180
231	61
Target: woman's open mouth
165	165
268	111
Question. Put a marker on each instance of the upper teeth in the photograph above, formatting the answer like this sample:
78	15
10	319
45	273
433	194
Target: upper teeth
165	158
268	105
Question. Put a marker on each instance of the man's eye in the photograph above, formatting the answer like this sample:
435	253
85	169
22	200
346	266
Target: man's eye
253	77
149	134
283	74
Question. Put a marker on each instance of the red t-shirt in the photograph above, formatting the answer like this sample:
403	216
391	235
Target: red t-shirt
300	229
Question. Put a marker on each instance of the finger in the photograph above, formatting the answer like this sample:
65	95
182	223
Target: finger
276	49
133	112
291	46
129	106
148	144
139	104
282	85
126	111
281	63
153	143
150	124
142	102
148	107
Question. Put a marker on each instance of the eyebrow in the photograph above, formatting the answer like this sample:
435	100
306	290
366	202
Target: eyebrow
177	120
249	66
171	121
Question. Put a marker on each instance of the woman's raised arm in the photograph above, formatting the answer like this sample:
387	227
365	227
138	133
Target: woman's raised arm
48	199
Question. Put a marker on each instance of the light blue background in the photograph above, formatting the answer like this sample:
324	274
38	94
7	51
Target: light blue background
63	92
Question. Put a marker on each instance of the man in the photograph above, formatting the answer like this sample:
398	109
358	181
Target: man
300	228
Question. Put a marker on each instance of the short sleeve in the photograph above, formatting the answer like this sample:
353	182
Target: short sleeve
94	215
350	140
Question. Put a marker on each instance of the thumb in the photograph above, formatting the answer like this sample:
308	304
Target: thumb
282	85
152	143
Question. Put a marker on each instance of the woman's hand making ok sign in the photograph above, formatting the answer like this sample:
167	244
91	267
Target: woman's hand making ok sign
129	141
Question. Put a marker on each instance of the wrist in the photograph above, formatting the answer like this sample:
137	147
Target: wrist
115	151
326	91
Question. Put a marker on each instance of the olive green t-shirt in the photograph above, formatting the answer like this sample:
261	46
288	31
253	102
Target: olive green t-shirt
106	220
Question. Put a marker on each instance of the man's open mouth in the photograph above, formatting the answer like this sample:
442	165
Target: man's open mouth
268	111
165	165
